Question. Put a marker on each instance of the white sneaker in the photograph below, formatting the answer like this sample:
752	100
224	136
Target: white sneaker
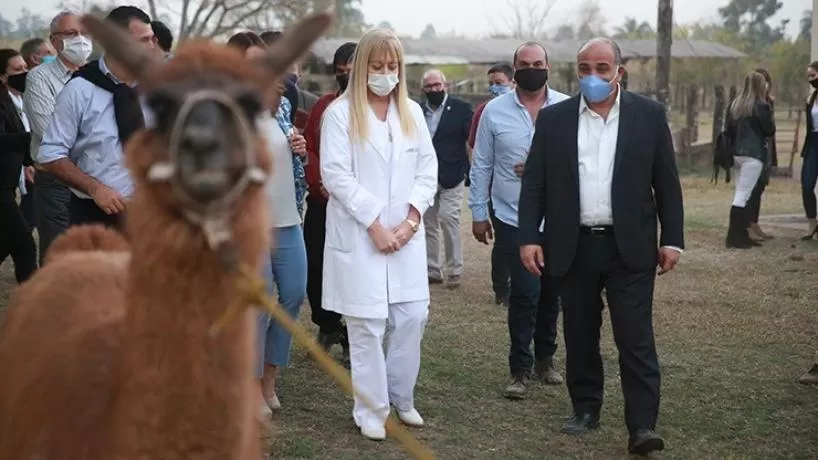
374	433
411	417
264	412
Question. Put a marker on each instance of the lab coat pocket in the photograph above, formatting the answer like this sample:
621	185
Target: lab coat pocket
341	230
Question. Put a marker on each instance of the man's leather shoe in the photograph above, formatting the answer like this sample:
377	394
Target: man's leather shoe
581	424
644	442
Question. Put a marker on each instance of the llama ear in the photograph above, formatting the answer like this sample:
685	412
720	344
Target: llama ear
295	43
136	59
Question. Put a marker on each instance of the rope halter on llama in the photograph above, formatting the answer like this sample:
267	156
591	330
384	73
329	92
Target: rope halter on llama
210	214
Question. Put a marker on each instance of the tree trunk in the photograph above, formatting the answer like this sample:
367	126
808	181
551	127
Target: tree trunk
664	40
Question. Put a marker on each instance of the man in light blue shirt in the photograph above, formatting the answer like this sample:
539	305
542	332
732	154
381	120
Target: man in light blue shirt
83	144
503	139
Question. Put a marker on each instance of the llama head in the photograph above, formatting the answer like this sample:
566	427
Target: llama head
201	151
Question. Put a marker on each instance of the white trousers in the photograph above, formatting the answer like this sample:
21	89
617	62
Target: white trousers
390	377
444	217
748	170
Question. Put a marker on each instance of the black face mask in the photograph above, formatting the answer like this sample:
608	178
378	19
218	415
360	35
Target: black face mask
17	82
435	98
343	81
530	79
813	82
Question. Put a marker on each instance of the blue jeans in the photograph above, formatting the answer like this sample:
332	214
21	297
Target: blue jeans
285	271
533	307
809	175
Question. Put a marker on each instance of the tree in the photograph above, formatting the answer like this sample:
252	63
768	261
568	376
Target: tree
664	42
6	27
590	21
632	29
805	26
386	26
564	32
749	19
428	32
30	25
213	18
526	19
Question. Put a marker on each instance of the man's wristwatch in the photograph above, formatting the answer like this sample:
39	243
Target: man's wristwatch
413	224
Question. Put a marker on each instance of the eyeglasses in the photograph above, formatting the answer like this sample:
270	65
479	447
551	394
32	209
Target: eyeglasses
67	33
433	86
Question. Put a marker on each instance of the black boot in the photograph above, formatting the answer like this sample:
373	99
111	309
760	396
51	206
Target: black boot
737	235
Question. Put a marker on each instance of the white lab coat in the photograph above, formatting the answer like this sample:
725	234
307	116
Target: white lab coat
359	280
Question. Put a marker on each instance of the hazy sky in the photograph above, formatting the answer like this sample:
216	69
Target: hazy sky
476	17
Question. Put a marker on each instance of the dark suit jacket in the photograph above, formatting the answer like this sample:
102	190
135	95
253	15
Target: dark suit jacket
809	137
450	141
645	185
14	143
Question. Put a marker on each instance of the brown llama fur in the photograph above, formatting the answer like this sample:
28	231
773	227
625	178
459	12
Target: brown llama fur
106	352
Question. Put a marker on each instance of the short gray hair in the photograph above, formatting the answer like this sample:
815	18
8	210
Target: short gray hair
617	51
56	21
30	47
431	72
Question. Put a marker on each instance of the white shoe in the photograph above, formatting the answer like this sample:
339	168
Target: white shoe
264	412
273	403
374	433
411	417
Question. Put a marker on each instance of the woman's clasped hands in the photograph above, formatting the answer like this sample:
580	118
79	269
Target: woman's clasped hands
390	241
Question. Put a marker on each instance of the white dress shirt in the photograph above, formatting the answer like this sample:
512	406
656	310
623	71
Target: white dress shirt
17	100
596	149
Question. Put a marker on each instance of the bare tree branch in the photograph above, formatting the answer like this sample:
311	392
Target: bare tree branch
526	19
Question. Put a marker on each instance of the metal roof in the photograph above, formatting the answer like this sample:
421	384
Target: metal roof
441	51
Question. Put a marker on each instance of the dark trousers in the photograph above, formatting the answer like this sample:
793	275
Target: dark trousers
533	306
315	220
51	197
629	294
809	175
28	207
85	211
15	238
499	268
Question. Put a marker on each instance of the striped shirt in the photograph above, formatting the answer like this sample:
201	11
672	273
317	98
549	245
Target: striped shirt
43	84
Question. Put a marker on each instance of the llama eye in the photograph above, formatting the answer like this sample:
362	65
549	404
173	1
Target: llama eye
250	103
162	103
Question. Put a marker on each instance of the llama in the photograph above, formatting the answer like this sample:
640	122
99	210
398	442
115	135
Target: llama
106	352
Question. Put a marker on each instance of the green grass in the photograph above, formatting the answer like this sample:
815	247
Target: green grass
734	330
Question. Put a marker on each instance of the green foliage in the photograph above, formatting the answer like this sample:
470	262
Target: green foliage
749	19
787	61
632	29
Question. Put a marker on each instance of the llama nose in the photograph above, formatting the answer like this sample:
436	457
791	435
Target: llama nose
199	139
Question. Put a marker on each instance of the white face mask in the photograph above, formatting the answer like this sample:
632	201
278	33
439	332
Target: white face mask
382	84
77	49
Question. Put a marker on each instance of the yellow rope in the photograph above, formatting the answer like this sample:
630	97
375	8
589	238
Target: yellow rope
254	292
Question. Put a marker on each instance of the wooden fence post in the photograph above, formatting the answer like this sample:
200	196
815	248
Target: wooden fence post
718	110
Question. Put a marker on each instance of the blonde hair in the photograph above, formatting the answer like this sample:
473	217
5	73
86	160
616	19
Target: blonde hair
373	43
755	90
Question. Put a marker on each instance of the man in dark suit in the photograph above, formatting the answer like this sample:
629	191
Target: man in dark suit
601	169
449	121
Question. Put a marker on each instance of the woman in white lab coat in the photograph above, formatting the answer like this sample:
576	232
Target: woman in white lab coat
380	169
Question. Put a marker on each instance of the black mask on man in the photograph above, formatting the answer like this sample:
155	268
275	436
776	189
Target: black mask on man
343	81
435	98
17	82
531	79
813	82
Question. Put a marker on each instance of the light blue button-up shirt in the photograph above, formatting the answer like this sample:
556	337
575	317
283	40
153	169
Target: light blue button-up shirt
433	115
83	129
503	139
